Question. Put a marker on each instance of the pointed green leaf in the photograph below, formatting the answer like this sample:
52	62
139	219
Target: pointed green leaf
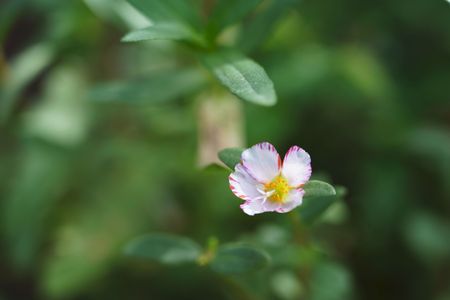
242	76
164	248
164	31
161	31
238	259
231	156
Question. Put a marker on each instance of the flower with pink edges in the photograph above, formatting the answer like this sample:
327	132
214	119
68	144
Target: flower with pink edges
268	184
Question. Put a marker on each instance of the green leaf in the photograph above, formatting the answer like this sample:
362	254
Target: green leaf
164	248
316	188
260	27
231	156
319	196
227	12
242	76
164	31
179	11
154	88
161	31
238	259
331	281
25	67
40	179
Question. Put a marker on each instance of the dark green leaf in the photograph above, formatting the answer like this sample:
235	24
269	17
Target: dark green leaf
155	88
231	156
164	248
331	281
242	76
319	196
40	179
238	259
260	27
179	11
227	12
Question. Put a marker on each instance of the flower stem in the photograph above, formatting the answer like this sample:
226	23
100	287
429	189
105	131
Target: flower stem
300	233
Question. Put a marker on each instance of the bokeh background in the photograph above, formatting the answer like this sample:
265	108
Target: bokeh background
102	141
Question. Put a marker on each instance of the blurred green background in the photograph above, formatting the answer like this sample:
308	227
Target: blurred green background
101	141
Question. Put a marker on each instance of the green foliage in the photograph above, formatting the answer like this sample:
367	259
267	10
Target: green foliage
25	68
164	248
168	11
174	250
256	32
83	170
161	87
174	20
319	196
227	12
239	259
331	281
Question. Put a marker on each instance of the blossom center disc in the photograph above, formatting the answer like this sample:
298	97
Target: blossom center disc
278	189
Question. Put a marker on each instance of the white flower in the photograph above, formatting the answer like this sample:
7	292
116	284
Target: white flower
268	184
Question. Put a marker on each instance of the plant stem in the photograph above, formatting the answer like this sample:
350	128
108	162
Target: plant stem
300	233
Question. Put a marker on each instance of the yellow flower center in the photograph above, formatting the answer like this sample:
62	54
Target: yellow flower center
278	188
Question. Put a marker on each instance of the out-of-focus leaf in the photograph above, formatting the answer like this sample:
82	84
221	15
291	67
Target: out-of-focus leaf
40	178
168	11
364	72
431	146
322	197
310	66
59	120
8	13
231	156
286	285
157	88
62	117
227	12
242	76
164	248
160	31
22	70
239	259
119	203
331	281
428	237
119	12
256	32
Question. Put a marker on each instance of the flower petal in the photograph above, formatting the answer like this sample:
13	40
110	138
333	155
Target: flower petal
293	199
296	166
262	162
253	207
259	205
242	184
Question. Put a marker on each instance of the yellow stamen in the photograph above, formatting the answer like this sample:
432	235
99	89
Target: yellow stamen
279	188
